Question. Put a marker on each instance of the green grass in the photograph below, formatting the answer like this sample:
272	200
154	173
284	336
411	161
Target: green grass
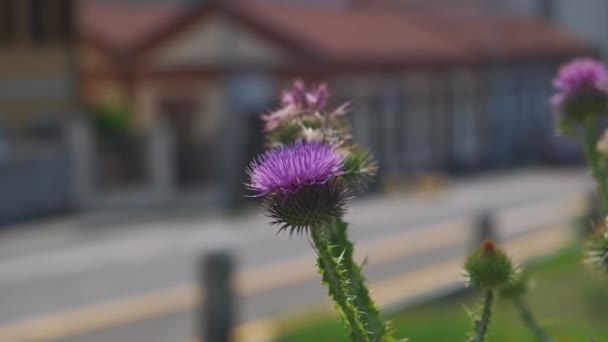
570	301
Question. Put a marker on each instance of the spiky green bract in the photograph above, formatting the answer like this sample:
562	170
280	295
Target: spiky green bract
482	318
312	206
596	252
356	281
359	167
526	316
286	134
594	159
488	267
515	291
517	287
346	283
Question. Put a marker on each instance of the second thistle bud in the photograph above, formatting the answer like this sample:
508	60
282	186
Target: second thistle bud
488	267
596	251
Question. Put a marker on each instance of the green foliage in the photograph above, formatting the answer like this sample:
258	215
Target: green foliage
286	133
356	283
442	320
360	167
333	272
481	318
112	121
488	267
312	123
312	206
597	250
346	284
517	287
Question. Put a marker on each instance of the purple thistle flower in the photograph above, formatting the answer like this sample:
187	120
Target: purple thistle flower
287	169
582	87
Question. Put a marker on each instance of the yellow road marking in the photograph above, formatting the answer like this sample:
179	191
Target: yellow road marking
183	298
76	322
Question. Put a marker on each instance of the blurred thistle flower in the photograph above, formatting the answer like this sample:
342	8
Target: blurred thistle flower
596	252
581	90
301	184
488	267
300	97
298	101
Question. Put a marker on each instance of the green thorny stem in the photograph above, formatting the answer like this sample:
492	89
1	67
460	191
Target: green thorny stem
526	315
594	159
483	320
346	283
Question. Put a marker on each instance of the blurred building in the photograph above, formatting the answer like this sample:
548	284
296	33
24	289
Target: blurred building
431	90
37	97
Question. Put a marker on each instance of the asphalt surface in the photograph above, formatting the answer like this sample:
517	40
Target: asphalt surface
70	274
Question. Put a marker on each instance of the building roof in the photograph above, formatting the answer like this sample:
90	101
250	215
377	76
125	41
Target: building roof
506	37
358	35
120	27
353	36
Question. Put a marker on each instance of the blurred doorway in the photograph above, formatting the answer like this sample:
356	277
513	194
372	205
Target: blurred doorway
192	167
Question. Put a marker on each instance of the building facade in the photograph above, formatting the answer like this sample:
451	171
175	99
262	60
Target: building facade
430	92
38	94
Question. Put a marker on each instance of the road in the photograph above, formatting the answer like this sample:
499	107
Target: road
138	284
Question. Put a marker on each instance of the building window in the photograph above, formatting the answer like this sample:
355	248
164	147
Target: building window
7	20
66	19
51	20
38	26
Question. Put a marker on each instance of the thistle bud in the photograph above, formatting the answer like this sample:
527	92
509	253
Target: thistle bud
596	252
488	267
359	167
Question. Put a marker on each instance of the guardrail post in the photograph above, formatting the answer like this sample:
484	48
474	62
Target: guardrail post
485	228
217	314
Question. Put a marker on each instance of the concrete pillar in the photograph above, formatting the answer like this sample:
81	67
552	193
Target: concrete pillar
82	160
218	316
161	159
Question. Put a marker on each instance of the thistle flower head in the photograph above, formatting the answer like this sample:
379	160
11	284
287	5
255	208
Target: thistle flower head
596	252
581	89
488	267
302	185
287	169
